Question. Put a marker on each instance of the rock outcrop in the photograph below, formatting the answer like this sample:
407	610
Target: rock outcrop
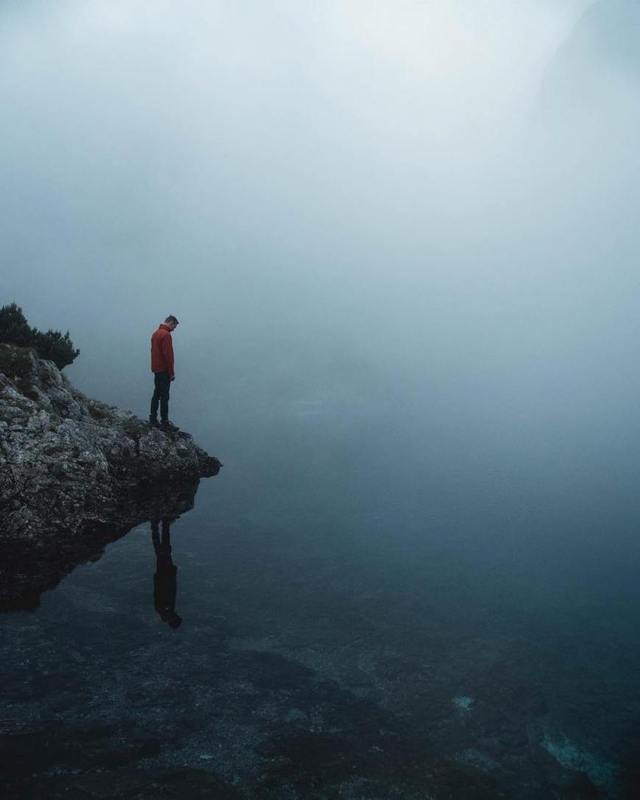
73	468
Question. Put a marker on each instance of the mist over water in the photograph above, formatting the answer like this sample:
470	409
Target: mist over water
360	188
401	241
342	198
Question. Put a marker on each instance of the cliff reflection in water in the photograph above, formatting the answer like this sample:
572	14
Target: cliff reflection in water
30	567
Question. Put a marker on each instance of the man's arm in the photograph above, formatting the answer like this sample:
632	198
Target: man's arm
167	351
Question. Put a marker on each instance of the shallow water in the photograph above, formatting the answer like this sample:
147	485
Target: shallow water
370	609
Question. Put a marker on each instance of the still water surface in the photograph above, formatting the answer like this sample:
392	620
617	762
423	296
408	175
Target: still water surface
370	609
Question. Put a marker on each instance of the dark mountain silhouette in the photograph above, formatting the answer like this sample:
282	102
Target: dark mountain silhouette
601	53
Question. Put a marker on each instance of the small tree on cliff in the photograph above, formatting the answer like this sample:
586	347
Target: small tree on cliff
52	345
14	328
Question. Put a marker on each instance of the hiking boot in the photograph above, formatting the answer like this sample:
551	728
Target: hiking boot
168	426
154	422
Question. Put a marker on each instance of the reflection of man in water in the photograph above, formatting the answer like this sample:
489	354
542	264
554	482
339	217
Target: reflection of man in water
164	581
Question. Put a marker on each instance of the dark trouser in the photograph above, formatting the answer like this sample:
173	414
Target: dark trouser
162	383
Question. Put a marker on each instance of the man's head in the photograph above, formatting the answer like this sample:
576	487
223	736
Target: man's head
172	322
172	619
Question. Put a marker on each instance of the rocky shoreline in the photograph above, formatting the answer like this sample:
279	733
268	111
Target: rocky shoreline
75	473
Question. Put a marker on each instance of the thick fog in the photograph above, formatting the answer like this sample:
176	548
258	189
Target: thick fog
429	205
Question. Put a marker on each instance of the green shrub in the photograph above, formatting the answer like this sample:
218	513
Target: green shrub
14	328
52	345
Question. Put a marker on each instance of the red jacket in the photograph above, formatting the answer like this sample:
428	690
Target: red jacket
162	351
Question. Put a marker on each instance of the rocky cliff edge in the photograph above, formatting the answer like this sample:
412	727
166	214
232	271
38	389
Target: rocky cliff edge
69	463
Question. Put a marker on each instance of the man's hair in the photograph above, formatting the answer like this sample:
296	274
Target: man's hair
171	318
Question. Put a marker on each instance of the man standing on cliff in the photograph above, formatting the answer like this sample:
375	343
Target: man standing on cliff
163	372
